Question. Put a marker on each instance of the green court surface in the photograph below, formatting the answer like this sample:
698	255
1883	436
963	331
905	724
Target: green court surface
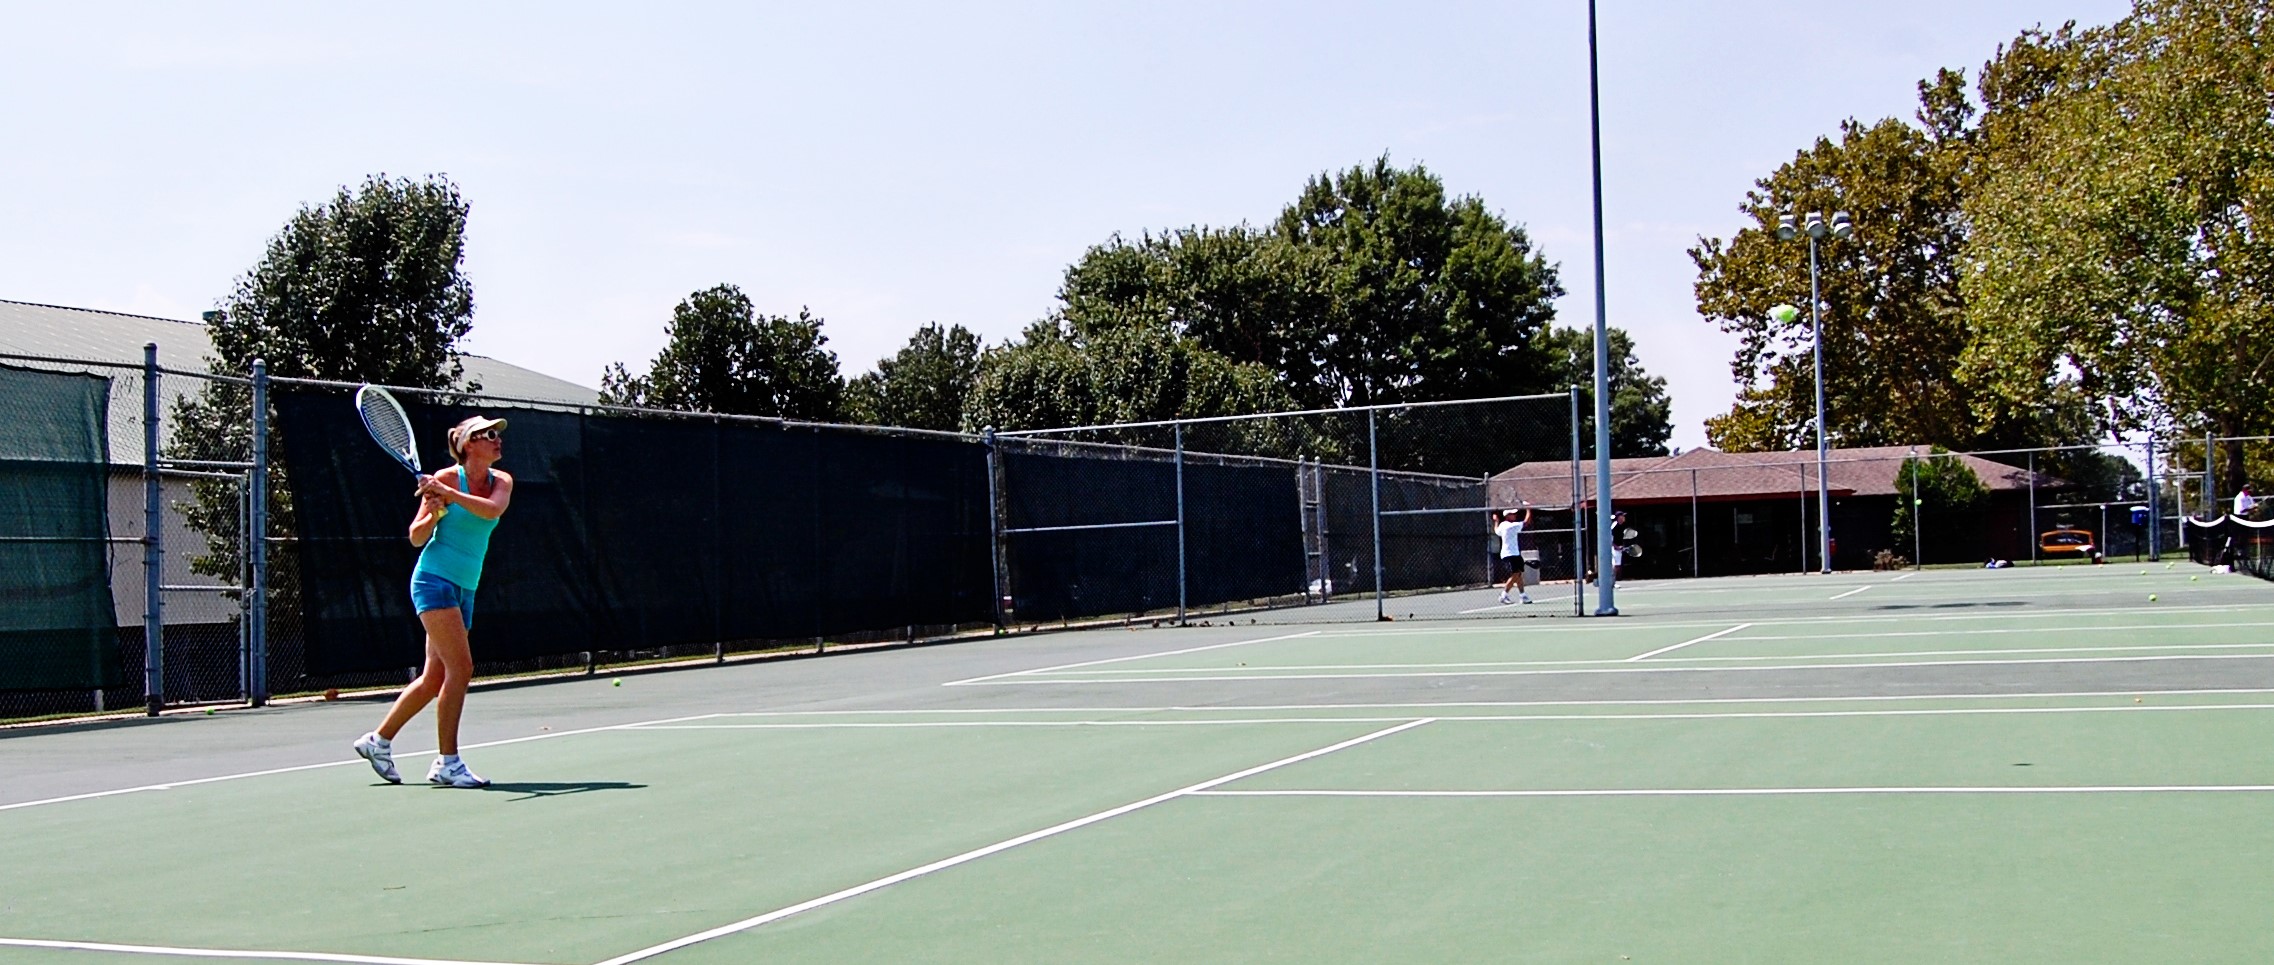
2037	766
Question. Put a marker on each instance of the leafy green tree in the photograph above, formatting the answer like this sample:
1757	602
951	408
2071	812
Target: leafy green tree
1055	376
366	287
1372	286
1431	299
923	386
2120	235
1641	413
721	356
1933	487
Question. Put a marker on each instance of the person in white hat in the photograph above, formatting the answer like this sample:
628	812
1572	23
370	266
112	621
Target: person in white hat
458	509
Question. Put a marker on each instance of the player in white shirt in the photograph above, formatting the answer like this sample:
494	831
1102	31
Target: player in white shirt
2244	503
1510	528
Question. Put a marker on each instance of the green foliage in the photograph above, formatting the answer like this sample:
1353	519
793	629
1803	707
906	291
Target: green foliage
1058	376
923	386
364	288
2119	220
1641	413
721	356
1932	486
1372	287
1894	317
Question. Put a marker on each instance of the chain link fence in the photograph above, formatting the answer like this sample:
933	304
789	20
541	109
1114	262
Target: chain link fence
801	536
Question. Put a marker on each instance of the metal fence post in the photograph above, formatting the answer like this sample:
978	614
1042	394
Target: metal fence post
1578	545
1178	432
1694	534
2155	507
2032	534
995	524
153	543
256	617
1918	518
1373	473
2210	482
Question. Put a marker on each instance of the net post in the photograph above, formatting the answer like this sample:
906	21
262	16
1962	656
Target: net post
256	616
2210	482
2155	507
1374	475
153	544
1177	431
994	525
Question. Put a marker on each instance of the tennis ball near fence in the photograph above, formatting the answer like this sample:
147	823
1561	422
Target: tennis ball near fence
618	682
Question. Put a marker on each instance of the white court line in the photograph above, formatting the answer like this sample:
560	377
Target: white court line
1201	672
1763	791
1652	702
1141	656
974	855
1499	718
1853	592
1613	626
1653	668
1686	643
235	953
170	785
1984	631
1905	576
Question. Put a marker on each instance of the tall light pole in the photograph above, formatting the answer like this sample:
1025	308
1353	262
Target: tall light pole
1605	605
1840	227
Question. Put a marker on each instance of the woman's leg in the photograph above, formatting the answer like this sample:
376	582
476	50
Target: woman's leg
415	697
450	660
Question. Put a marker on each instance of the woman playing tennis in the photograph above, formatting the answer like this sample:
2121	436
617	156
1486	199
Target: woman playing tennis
458	507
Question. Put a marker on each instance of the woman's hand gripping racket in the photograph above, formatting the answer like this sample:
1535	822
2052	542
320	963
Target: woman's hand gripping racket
384	418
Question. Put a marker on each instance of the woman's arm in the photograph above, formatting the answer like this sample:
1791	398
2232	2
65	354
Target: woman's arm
489	507
422	525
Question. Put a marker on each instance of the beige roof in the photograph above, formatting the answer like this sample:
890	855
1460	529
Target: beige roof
1710	474
54	331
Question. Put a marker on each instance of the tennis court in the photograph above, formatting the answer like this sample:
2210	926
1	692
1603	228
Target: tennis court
1953	765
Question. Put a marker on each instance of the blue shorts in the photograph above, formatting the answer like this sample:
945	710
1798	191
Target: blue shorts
430	591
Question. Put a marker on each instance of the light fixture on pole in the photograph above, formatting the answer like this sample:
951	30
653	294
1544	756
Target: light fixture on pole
1840	227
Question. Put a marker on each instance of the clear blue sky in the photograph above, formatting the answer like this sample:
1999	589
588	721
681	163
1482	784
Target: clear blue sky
895	164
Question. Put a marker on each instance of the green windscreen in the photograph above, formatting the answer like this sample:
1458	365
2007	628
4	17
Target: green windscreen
58	628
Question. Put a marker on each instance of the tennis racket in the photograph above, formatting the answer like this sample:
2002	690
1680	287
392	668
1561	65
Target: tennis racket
1630	551
384	418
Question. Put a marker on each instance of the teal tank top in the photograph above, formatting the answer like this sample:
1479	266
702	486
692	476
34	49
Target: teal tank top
460	541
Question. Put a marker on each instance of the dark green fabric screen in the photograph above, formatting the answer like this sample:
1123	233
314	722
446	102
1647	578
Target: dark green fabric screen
634	532
58	626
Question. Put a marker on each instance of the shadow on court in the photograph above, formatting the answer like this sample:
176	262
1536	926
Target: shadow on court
537	789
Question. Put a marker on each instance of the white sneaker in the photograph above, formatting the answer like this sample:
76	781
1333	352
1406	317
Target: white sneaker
1504	598
381	753
452	772
1527	599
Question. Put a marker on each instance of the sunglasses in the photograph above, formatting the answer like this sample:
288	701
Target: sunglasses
490	434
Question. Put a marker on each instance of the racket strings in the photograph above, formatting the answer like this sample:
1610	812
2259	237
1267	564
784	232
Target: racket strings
387	423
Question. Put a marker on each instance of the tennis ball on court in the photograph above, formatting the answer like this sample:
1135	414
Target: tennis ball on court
2135	700
2143	572
2192	579
2151	598
209	712
618	682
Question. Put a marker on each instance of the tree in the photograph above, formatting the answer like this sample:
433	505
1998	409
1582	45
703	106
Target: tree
1641	412
719	355
1371	287
364	288
1430	299
923	386
1056	376
2119	221
1932	487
